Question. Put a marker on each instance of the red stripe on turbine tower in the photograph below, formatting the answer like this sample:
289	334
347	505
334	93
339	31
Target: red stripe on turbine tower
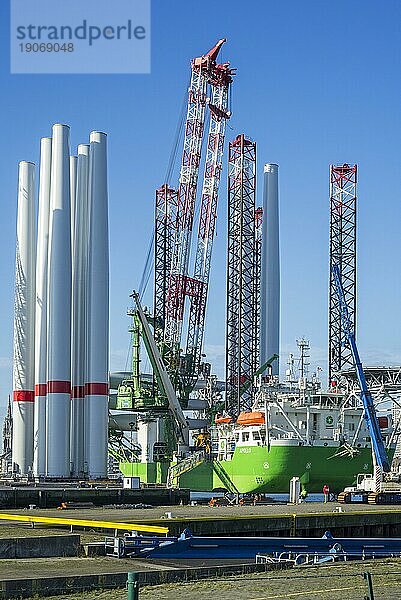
96	389
78	391
23	396
41	390
24	324
58	387
59	310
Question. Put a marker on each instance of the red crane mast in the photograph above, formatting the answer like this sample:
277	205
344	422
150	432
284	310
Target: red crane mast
205	74
219	114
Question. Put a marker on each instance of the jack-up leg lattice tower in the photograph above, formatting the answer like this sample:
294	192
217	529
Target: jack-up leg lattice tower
256	285
343	203
165	226
240	350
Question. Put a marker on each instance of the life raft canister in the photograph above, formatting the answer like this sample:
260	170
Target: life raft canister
251	418
220	420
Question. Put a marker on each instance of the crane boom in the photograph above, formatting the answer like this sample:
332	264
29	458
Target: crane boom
208	78
161	373
258	372
221	80
191	156
378	448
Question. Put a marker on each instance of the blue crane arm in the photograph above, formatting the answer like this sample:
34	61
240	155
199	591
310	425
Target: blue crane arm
378	448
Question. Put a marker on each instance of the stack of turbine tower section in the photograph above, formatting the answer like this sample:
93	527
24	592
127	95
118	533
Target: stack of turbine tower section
60	410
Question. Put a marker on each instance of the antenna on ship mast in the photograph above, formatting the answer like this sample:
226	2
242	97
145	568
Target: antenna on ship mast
289	374
304	348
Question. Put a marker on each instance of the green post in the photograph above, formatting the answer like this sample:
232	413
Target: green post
132	586
368	578
136	355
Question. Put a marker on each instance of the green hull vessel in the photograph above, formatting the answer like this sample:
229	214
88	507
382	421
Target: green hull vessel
263	470
291	431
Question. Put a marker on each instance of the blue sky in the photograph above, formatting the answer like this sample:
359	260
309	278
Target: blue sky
317	83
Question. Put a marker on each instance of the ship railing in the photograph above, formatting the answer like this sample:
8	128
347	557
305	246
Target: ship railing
196	459
314	558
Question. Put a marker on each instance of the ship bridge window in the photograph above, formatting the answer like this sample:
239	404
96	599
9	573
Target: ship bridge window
245	436
256	435
236	436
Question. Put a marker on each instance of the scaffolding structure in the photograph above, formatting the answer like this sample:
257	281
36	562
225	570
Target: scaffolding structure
343	205
241	348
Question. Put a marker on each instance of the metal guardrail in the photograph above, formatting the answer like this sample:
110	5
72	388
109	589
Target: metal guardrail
133	546
185	466
316	558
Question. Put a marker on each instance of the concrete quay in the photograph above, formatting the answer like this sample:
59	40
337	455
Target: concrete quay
308	519
52	496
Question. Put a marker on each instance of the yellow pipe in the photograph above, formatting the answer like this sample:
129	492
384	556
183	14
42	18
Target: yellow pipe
84	523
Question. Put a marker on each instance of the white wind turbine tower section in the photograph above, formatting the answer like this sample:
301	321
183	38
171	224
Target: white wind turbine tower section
24	328
39	441
97	375
59	310
78	339
73	187
270	269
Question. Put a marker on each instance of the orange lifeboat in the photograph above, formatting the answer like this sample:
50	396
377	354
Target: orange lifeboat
251	418
220	420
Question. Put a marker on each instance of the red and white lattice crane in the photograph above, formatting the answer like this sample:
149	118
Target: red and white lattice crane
207	76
